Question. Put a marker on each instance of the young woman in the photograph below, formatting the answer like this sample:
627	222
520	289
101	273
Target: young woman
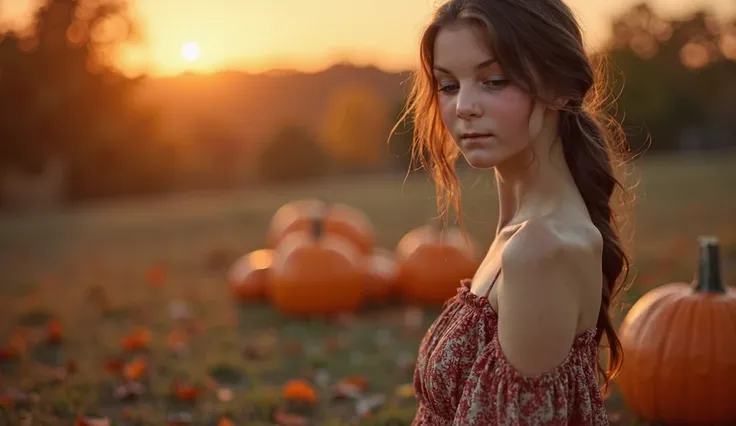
507	84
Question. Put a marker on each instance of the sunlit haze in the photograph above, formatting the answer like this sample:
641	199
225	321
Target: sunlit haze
206	36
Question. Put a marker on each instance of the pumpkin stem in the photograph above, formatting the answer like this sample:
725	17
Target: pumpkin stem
318	222
709	268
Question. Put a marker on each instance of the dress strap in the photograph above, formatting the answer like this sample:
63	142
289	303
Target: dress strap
490	287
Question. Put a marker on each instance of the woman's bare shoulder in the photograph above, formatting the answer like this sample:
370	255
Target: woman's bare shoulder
545	239
545	266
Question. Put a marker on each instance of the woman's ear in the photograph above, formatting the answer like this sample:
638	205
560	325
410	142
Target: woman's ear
559	103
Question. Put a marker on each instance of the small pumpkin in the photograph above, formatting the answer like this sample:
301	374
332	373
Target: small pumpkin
346	221
381	276
316	273
432	262
679	343
248	276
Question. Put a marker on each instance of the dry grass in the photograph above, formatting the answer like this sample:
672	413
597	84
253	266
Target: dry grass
57	266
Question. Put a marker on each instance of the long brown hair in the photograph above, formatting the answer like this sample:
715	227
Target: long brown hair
536	42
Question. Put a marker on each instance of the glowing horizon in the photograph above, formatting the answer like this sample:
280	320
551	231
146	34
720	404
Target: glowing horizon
258	36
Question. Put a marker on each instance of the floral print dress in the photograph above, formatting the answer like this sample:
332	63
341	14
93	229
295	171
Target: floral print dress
462	378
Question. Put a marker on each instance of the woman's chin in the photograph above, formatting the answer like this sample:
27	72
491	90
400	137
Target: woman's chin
479	159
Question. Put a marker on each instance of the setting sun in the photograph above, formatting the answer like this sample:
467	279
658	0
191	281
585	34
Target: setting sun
190	51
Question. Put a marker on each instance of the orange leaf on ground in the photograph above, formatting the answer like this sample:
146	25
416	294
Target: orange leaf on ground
224	421
137	340
53	331
299	390
135	369
186	392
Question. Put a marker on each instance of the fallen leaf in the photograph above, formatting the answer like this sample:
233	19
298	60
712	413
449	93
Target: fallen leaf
224	421
299	390
405	391
137	340
53	332
185	392
135	369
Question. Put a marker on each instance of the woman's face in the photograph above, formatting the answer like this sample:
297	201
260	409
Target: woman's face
486	115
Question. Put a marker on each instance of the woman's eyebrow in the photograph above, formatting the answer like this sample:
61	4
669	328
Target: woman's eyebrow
478	67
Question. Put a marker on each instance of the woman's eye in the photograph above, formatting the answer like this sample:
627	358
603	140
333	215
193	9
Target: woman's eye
447	87
496	83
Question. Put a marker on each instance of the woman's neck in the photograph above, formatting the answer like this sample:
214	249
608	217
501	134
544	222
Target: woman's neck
536	185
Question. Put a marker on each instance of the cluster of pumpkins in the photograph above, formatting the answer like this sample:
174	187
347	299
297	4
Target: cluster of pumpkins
322	259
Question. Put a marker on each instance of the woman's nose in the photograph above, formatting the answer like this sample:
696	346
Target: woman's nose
467	105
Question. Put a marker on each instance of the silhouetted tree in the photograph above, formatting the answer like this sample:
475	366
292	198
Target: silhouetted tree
61	96
674	78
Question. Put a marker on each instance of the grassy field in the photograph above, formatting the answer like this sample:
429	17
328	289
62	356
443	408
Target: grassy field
84	270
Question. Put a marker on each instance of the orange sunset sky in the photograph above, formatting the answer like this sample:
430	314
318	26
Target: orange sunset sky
255	35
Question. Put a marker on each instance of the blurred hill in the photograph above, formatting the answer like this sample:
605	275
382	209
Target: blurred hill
253	107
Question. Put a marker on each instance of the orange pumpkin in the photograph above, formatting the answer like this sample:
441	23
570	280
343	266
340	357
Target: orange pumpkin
432	262
381	276
316	273
679	343
248	276
341	219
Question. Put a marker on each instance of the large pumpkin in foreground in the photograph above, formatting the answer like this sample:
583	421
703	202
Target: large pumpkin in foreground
432	262
679	344
316	273
339	219
249	275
